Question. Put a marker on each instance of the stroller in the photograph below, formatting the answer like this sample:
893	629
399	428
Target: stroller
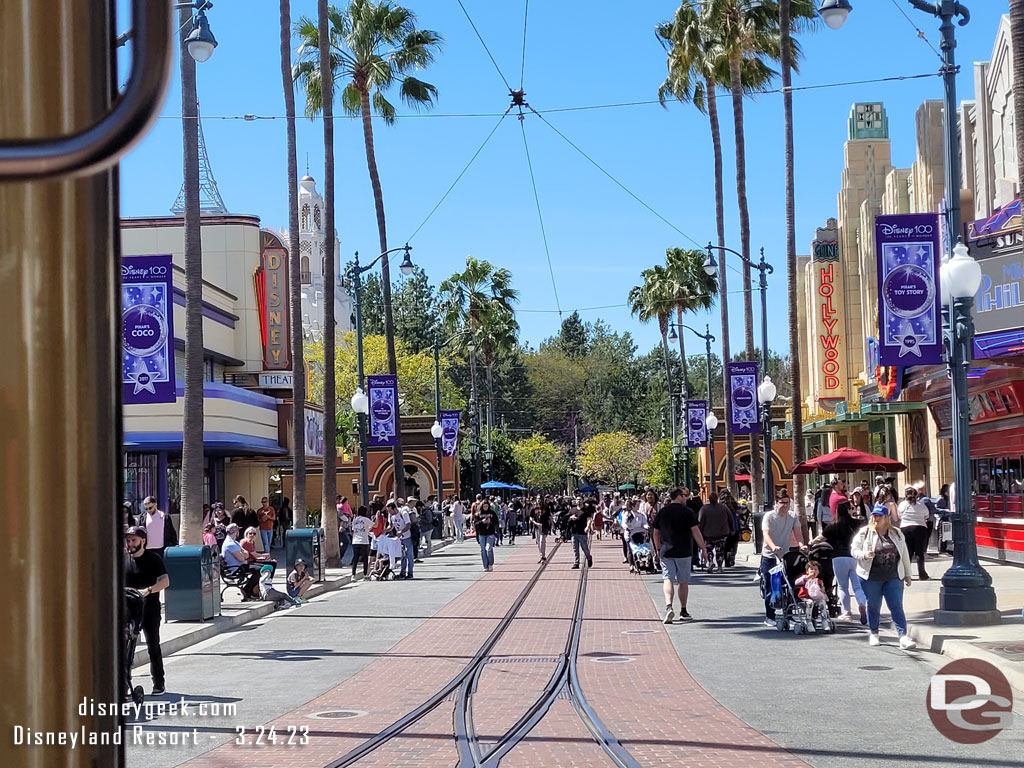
792	613
642	553
821	553
135	605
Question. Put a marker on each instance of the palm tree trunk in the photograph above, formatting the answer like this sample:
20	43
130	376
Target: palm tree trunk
735	76
723	290
332	548
489	364
192	480
796	417
684	391
389	320
1017	42
294	279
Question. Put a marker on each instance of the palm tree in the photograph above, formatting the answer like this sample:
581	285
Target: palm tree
192	428
497	336
373	44
1017	44
467	298
294	279
696	67
332	546
654	300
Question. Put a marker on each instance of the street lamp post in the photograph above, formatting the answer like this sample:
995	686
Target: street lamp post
675	439
360	401
766	392
711	421
764	269
474	414
967	596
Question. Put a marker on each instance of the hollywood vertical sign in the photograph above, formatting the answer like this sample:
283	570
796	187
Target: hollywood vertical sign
830	362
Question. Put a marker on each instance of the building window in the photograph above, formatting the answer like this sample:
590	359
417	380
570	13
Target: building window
140	479
316	217
305	216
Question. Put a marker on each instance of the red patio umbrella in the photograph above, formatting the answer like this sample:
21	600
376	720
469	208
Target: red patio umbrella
847	460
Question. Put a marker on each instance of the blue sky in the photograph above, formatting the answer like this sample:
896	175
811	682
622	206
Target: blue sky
599	237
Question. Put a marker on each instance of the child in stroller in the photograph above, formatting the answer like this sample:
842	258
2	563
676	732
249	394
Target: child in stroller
641	553
791	612
134	606
811	593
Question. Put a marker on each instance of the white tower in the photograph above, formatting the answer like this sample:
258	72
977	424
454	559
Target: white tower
312	239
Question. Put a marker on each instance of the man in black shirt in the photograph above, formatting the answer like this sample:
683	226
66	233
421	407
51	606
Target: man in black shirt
485	524
145	571
675	528
540	517
579	519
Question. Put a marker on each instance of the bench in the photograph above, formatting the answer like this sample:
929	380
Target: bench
232	576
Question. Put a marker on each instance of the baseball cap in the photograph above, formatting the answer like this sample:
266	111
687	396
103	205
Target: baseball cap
300	561
136	530
879	509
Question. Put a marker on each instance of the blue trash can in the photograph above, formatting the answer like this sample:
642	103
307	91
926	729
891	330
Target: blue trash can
194	592
305	543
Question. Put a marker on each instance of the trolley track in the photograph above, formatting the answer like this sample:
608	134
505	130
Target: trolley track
472	751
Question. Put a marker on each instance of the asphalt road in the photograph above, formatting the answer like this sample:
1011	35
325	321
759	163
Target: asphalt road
271	666
832	700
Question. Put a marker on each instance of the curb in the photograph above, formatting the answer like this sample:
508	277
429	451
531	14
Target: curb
929	639
220	624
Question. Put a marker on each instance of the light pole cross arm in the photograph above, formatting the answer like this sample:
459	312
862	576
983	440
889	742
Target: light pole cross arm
943	8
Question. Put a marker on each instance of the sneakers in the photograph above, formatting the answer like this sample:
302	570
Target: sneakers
576	565
863	614
670	615
590	562
843	617
158	690
873	639
769	623
684	616
906	644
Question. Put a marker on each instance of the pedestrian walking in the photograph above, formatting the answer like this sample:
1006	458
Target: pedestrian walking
160	531
361	525
266	515
398	518
540	518
485	524
578	524
675	529
344	525
448	529
883	565
778	526
144	570
716	525
914	518
426	513
839	535
459	519
634	529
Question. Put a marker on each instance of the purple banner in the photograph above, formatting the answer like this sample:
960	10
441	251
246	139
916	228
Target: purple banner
696	426
383	395
147	330
450	437
743	398
909	326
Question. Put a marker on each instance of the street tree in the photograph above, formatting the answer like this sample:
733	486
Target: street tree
614	457
542	463
658	469
654	299
497	337
374	45
295	282
572	336
414	303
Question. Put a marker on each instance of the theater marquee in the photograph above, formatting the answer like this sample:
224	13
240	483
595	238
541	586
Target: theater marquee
271	283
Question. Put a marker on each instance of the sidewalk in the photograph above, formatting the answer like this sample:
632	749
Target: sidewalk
1002	645
178	635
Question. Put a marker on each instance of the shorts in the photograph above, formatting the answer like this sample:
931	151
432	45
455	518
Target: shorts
293	591
676	569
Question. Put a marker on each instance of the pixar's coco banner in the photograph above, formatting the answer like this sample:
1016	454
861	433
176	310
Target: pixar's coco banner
383	395
147	330
909	323
743	398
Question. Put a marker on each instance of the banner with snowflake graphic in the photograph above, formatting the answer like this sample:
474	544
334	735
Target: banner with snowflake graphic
147	330
909	324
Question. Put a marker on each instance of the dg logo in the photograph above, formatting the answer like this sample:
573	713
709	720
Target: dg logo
970	701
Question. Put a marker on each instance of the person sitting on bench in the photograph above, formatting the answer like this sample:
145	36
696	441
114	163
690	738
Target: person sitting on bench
236	557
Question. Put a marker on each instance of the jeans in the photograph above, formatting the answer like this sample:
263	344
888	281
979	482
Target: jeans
460	529
426	534
405	569
486	543
892	591
580	540
266	537
360	554
767	563
846	577
415	531
542	543
345	540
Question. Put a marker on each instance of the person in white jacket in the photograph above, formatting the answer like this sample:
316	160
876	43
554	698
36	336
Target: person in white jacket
883	567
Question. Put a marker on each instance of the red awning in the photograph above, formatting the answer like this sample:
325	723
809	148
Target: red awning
847	460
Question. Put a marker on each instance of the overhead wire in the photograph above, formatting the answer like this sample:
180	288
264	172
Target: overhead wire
917	29
522	70
481	39
540	216
461	174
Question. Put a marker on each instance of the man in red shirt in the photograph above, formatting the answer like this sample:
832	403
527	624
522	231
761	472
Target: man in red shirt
838	494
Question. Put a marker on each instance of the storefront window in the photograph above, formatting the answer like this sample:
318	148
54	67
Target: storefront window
140	478
880	438
1000	483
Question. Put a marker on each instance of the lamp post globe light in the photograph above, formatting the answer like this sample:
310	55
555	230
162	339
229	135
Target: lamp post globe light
766	392
711	421
966	596
436	430
834	12
200	41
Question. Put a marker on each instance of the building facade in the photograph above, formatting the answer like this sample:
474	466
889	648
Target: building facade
312	250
